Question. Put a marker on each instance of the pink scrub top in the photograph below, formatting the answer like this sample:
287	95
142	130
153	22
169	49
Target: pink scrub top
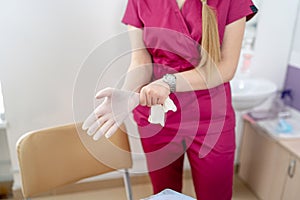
172	35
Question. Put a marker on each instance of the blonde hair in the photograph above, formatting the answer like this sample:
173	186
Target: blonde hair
210	38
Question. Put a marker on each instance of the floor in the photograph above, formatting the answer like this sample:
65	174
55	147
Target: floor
240	192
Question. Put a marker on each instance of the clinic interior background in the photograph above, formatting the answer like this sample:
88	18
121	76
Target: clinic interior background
44	43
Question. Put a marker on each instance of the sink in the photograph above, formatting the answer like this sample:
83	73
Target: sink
248	93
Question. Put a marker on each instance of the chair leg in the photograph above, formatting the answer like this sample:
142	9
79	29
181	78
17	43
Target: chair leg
127	185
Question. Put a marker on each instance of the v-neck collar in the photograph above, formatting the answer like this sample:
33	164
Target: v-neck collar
182	6
179	13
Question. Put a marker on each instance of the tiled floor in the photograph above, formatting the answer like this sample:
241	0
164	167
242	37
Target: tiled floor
241	192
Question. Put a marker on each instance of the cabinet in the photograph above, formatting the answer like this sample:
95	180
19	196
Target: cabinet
270	167
292	186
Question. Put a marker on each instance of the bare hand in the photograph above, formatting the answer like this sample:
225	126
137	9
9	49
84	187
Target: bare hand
154	93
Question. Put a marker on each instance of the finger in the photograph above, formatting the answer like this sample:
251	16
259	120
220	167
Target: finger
101	109
103	129
143	98
89	121
98	123
112	130
148	99
107	92
160	101
153	99
157	101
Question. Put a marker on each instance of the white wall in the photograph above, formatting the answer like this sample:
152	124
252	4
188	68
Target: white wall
5	165
43	44
274	39
295	55
4	153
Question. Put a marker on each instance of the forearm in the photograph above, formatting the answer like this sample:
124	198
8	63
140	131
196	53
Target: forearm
137	76
200	79
140	69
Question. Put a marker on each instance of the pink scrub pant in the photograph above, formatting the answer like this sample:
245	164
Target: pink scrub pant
212	174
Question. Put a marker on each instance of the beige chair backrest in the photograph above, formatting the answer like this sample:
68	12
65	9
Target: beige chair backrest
54	157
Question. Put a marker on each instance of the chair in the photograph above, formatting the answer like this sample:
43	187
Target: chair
55	157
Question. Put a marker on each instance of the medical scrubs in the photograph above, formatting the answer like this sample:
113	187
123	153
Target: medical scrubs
203	126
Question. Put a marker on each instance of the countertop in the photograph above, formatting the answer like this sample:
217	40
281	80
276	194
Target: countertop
270	125
289	141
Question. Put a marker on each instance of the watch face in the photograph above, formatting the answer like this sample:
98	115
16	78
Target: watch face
169	78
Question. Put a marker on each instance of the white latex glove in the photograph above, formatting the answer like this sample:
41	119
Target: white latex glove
157	115
109	115
117	105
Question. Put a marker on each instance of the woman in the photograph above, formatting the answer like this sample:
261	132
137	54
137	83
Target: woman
164	36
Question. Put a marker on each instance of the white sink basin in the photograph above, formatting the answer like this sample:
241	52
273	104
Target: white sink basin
249	93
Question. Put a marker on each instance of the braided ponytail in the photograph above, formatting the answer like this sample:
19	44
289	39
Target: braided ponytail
210	38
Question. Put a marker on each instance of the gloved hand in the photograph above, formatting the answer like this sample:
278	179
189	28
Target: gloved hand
117	105
110	114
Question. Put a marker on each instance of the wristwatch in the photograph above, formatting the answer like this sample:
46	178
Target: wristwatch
170	79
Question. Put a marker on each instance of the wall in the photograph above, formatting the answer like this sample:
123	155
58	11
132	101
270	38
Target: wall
5	165
293	74
4	154
274	40
5	172
43	44
292	83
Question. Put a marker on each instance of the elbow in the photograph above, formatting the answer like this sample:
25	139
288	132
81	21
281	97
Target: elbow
229	77
227	68
226	77
228	72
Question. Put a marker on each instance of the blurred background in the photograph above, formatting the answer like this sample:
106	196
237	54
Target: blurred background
43	44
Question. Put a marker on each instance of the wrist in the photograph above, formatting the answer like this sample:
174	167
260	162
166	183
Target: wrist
162	83
170	80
